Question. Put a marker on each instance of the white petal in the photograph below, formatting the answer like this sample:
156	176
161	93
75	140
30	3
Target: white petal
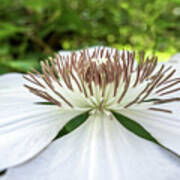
25	127
175	59
11	80
164	127
12	90
100	149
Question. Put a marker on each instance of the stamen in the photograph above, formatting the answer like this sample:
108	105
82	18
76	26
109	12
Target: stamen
161	110
171	91
82	73
125	90
167	100
166	78
43	94
167	87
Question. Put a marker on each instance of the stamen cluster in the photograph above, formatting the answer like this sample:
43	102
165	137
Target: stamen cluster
111	74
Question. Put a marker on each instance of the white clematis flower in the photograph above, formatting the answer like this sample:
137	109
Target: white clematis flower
132	129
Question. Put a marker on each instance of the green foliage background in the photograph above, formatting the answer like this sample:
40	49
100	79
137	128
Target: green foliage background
31	30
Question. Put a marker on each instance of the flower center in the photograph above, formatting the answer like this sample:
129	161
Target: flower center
104	80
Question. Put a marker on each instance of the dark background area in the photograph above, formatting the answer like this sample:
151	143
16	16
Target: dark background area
31	30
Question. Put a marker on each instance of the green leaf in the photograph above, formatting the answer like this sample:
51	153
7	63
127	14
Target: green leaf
72	124
139	130
134	127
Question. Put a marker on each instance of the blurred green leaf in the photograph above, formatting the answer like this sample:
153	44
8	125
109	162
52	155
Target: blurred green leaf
20	65
39	28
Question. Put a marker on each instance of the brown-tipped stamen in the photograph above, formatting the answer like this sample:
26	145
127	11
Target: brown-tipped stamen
81	73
